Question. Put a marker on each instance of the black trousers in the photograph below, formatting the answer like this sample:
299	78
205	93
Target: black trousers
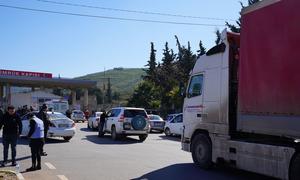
45	137
36	147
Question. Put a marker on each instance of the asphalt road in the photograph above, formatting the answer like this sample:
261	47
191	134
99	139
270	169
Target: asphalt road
87	157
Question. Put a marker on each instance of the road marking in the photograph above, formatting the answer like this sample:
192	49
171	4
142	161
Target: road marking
62	177
49	165
20	176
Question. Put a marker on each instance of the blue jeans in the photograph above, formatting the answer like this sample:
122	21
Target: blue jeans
12	141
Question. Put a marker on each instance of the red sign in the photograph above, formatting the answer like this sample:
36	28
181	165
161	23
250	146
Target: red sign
24	73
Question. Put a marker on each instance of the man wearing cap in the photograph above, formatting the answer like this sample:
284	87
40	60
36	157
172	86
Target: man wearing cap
36	135
12	128
42	115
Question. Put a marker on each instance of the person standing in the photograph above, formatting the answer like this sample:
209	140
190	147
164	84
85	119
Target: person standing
36	135
68	113
12	128
103	116
42	115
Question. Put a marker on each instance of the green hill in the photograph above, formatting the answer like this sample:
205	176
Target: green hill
123	80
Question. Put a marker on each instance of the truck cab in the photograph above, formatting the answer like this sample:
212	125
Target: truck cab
242	101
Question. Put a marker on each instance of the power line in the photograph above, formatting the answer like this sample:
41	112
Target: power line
107	17
134	11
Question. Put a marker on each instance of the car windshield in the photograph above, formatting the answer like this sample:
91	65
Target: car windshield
170	117
56	116
129	113
154	117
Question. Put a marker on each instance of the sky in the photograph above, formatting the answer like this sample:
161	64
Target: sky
72	46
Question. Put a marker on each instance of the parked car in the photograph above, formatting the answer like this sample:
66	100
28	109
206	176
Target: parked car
174	126
126	121
61	126
156	123
94	120
77	116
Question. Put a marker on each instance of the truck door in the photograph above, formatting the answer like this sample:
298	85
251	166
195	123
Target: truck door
193	103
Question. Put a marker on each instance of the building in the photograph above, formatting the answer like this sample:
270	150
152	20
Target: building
11	78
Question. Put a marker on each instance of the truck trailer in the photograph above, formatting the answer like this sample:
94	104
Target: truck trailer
242	103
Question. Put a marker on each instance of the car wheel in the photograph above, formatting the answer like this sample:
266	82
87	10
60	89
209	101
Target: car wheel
67	138
114	134
167	132
294	169
202	151
143	137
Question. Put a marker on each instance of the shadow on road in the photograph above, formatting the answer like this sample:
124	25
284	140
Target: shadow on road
172	138
106	140
25	141
190	171
86	129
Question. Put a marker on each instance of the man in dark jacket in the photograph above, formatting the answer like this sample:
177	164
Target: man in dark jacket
103	116
12	128
36	135
42	115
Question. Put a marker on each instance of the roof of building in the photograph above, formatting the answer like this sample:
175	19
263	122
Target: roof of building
47	82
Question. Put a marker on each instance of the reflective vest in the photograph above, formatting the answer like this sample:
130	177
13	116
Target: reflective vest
38	129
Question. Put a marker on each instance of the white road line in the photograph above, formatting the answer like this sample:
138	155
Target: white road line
20	176
49	165
62	177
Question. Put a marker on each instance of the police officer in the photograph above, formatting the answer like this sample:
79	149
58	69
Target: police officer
36	135
12	128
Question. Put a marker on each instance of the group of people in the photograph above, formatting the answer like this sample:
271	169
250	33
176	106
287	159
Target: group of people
11	123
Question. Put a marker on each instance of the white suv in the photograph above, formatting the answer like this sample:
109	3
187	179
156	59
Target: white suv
126	121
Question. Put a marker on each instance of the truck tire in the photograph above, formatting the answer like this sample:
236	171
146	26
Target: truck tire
202	151
114	134
295	168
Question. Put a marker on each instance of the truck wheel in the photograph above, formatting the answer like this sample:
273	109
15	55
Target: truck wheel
114	134
202	151
143	137
295	167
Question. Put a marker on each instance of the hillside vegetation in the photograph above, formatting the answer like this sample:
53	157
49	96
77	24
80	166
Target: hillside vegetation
123	80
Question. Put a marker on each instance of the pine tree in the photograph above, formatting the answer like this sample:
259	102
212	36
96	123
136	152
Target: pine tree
201	50
151	71
109	92
237	28
218	37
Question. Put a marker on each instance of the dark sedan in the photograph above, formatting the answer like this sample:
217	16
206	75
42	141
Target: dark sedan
156	123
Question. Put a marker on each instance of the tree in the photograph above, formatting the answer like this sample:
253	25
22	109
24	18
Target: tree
116	96
145	95
151	71
201	50
108	92
237	28
218	37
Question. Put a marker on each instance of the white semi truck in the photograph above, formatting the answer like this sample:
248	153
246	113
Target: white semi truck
242	104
